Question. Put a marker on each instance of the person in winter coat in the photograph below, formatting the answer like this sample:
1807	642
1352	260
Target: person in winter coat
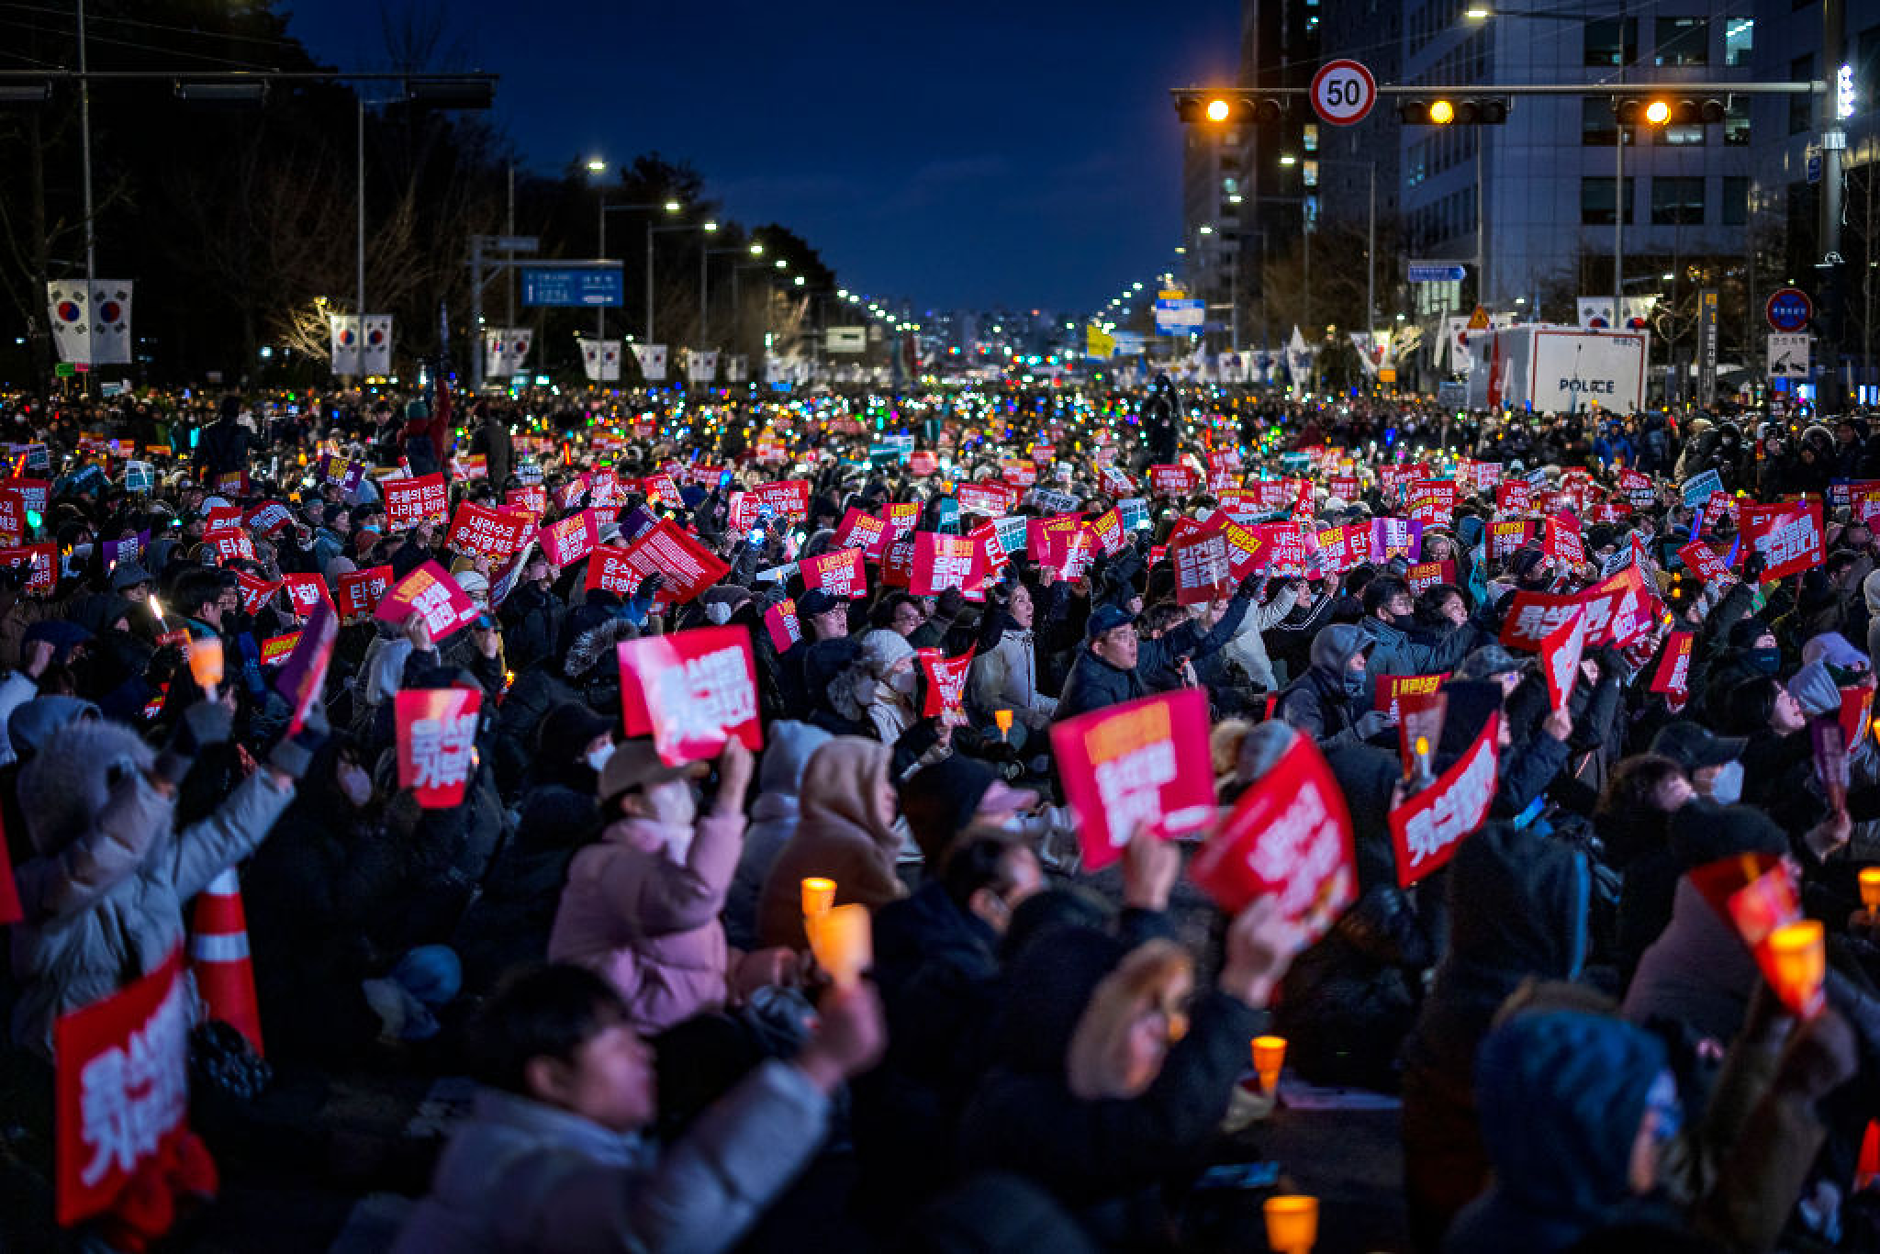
103	893
1109	667
883	683
846	832
532	616
1248	647
1398	647
552	1159
1330	701
1518	908
641	906
774	817
1574	1109
1633	822
1115	1071
1006	676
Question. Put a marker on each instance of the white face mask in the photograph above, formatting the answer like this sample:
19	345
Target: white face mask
597	758
718	613
1726	787
902	682
355	783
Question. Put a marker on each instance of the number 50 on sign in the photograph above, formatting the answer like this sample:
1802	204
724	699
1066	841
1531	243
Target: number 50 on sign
1343	92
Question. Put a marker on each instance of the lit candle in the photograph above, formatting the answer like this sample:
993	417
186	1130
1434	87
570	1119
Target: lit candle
1292	1223
1269	1055
819	895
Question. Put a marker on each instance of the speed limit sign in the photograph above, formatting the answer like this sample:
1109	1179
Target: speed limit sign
1343	92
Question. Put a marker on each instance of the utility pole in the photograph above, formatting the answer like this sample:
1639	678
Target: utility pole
1828	391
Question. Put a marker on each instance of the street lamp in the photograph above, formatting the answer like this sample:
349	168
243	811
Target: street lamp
598	165
651	230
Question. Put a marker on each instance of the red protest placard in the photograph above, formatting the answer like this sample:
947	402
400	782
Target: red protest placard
1284	551
1617	609
277	648
946	680
360	590
230	545
922	462
901	517
1116	483
1108	527
1202	567
897	567
33	492
1514	496
1426	575
432	593
686	567
788	497
1788	536
1288	837
989	499
1506	535
1246	552
1703	561
862	531
42	558
988	553
491	532
1562	541
780	622
122	1086
839	573
531	499
220	519
305	593
1167	480
268	517
1561	650
1533	615
691	691
942	562
437	733
1391	689
255	591
1426	829
409	502
1140	765
1673	676
12	516
568	540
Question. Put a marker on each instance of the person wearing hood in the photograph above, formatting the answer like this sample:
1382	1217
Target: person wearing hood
1115	1070
103	892
1330	701
846	832
787	749
1779	770
1005	677
641	905
1109	667
1518	907
1575	1109
1750	651
882	685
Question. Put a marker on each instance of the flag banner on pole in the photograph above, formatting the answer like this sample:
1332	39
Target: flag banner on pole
600	359
506	350
376	353
737	368
91	327
701	365
346	347
652	359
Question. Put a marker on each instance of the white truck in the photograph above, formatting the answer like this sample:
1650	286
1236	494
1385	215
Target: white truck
1558	370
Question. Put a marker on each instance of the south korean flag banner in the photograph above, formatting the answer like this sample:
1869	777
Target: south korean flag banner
600	359
737	368
506	350
376	354
346	347
652	359
92	326
701	365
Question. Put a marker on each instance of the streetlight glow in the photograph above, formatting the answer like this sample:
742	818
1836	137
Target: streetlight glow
1478	13
711	226
597	165
673	206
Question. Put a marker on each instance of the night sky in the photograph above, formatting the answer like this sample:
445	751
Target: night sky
960	155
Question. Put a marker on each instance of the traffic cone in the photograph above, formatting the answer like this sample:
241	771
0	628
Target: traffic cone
218	955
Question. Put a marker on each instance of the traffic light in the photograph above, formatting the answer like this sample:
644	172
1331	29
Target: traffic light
1663	110
1466	111
1227	108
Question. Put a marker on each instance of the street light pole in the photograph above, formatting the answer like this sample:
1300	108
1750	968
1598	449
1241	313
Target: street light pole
84	135
359	257
1618	224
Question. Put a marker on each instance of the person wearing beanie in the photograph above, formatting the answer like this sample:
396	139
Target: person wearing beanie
944	799
883	683
1110	664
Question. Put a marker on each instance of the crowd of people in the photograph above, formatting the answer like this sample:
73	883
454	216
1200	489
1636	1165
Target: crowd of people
1588	1053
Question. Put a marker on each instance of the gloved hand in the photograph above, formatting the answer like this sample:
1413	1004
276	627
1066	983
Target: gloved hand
1373	723
648	586
1250	586
1753	568
292	755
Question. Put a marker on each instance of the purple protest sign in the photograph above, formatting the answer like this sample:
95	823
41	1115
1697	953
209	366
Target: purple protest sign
303	678
130	550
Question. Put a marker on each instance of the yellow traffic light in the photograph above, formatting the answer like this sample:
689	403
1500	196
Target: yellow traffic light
1217	110
1442	112
1658	112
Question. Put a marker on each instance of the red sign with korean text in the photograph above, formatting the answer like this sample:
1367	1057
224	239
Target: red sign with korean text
360	590
780	622
255	591
122	1087
1142	765
1673	676
1514	496
839	573
568	540
1561	650
862	531
1789	537
1289	838
1202	567
409	502
946	680
437	734
1703	561
1426	575
1169	480
686	566
1426	829
691	691
446	607
788	497
305	593
942	562
1562	542
491	532
1391	689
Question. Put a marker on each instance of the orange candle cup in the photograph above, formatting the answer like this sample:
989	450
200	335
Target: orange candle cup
1269	1055
1292	1223
1004	719
1870	887
205	662
1799	958
842	938
818	895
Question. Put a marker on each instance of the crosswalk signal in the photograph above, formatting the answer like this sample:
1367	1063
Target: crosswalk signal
1443	111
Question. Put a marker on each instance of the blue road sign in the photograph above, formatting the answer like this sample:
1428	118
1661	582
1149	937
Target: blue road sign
1438	274
561	286
1789	309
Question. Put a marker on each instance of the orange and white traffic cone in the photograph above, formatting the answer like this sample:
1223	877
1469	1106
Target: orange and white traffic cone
218	955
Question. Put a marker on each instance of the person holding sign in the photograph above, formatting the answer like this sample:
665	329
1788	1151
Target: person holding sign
553	1159
1110	665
